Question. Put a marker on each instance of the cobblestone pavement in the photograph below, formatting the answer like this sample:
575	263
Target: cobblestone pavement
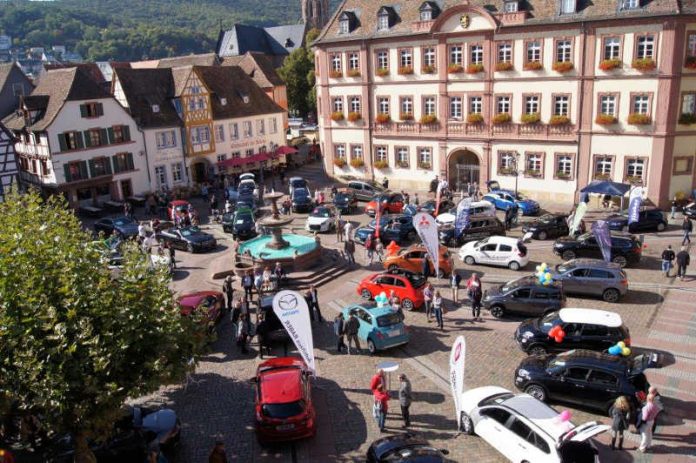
219	402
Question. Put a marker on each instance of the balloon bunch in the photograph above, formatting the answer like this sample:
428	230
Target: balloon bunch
543	275
564	416
393	249
381	299
620	349
557	334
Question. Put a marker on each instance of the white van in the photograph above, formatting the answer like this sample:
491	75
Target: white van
478	208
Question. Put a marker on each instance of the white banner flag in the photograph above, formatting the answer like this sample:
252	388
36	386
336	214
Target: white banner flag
292	311
457	357
426	227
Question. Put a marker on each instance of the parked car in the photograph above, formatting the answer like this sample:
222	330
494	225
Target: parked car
584	329
391	203
690	210
429	206
524	296
321	219
408	287
301	200
297	182
211	303
364	191
592	277
124	226
271	331
247	176
345	201
501	251
523	428
411	259
585	378
178	205
241	223
476	209
478	229
190	239
548	226
404	448
247	192
398	228
505	199
380	327
625	249
648	220
284	408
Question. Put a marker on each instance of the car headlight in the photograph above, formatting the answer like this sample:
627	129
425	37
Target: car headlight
523	373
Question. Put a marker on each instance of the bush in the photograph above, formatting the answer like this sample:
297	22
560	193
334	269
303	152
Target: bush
427	69
337	116
502	118
559	120
609	64
605	119
455	68
354	117
533	66
339	162
643	64
639	119
406	116
474	118
503	66
382	72
406	70
428	119
474	68
357	163
382	118
687	118
381	164
335	74
563	66
530	118
354	73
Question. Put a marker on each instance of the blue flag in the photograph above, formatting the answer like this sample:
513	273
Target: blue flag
600	229
462	219
635	199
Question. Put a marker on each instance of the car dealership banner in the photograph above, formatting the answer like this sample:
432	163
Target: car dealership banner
461	220
600	229
457	357
635	199
292	311
426	227
579	214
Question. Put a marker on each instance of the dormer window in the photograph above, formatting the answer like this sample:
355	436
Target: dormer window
429	11
386	18
629	4
346	22
344	26
383	22
512	6
568	6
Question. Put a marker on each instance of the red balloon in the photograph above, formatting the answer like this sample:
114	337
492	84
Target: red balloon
558	339
561	333
554	331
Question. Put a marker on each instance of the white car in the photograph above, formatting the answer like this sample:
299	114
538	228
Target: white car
321	219
524	429
478	208
502	251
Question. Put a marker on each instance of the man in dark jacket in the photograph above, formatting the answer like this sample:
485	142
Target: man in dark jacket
667	260
405	398
314	300
687	228
683	261
248	285
339	331
228	289
433	184
351	329
349	250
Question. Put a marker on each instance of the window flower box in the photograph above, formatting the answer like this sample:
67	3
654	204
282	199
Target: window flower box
354	73
335	73
562	175
427	69
687	118
424	165
690	62
559	120
639	119
357	163
602	177
503	66
474	68
428	119
382	72
474	118
339	162
382	118
406	116
609	64
406	70
605	119
454	68
506	171
337	116
533	173
530	118
402	164
502	118
634	180
381	165
644	64
563	66
354	117
533	66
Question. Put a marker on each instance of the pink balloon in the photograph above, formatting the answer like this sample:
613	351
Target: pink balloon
565	415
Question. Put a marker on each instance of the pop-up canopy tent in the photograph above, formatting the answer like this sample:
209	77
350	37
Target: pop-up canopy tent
605	187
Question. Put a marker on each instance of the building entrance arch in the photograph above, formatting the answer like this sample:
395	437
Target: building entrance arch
463	167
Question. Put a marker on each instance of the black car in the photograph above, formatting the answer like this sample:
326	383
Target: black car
585	378
478	229
429	206
625	249
345	202
648	220
548	226
394	227
190	239
124	226
584	329
404	448
270	331
240	223
525	296
301	201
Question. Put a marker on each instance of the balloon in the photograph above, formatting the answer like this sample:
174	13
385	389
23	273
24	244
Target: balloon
565	415
561	333
553	331
614	350
543	266
538	269
558	339
621	344
626	351
381	299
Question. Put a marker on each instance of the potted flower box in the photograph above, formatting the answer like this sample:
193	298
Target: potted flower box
474	118
406	116
502	118
562	175
687	118
530	118
639	119
424	165
559	120
339	162
428	119
533	173
406	70
381	165
644	64
357	163
474	68
533	66
563	66
402	164
354	73
601	177
354	117
337	116
382	72
382	118
634	180
335	73
690	62
506	171
503	66
605	119
455	68
609	64
428	69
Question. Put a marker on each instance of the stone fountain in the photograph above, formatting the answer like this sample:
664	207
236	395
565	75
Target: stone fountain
275	222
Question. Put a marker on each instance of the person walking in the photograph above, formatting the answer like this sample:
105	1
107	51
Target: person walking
658	403
338	225
228	289
243	333
687	228
683	261
172	254
314	299
347	230
476	294
619	415
667	260
248	285
218	454
381	406
455	282
438	310
351	330
369	248
377	380
405	398
258	283
647	419
427	299
349	250
339	332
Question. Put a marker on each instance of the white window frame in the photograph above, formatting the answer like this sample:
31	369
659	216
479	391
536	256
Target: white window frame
533	51
406	57
564	50
381	153
383	59
425	155
383	105
355	106
564	164
607	105
645	47
177	172
161	176
234	131
429	56
531	104
247	129
456	107
568	6
505	52
429	106
337	104
456	54
219	133
406	104
535	162
603	165
635	168
611	48
561	105
641	104
343	26
503	104
383	22
476	54
475	105
340	151
354	61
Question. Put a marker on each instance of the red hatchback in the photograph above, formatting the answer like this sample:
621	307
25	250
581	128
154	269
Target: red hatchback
408	287
284	409
212	302
392	203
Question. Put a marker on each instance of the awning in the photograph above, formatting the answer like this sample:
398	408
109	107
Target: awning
234	162
605	187
286	150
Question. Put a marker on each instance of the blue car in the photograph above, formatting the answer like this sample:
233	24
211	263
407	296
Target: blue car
380	327
505	199
395	227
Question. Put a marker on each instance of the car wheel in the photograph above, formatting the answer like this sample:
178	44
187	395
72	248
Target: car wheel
542	235
514	265
407	304
536	391
393	268
466	425
497	311
624	229
365	294
610	295
568	255
189	248
469	260
661	226
621	260
371	348
537	350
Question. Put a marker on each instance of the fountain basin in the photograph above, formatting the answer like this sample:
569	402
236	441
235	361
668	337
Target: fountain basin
302	252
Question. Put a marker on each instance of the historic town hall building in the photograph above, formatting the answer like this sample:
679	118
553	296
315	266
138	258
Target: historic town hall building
556	92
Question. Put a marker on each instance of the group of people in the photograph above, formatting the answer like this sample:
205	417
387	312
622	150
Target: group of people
380	393
645	419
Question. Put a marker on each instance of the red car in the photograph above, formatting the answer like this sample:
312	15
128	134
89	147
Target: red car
407	286
284	408
392	203
212	302
178	205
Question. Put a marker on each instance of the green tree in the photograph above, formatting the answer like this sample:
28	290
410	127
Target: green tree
75	342
294	72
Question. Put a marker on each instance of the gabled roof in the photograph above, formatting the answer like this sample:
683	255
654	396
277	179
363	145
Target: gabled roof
257	66
277	41
92	69
207	59
145	88
6	69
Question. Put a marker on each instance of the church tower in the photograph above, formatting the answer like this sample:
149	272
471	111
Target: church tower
315	13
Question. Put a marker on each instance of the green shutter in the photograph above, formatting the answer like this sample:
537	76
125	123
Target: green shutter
83	110
126	133
100	109
114	160
91	168
110	131
61	141
129	157
107	165
103	137
66	167
88	139
80	141
84	174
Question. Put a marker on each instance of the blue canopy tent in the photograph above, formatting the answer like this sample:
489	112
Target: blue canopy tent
605	187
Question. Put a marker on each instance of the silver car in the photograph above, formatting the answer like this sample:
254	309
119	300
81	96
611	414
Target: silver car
364	191
592	277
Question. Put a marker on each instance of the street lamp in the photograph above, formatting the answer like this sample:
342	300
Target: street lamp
516	158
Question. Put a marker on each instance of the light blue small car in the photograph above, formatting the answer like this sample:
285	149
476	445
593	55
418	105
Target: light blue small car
380	327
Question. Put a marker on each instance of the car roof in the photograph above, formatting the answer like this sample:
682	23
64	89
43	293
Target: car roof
592	358
194	299
372	309
533	280
585	262
281	385
541	415
503	240
592	316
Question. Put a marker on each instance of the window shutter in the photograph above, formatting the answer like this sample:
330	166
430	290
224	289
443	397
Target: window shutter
114	161
61	141
126	133
107	166
110	131
80	141
91	168
103	137
88	139
84	174
100	109
129	157
83	110
66	168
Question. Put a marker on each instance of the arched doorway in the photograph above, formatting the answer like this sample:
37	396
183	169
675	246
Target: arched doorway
463	167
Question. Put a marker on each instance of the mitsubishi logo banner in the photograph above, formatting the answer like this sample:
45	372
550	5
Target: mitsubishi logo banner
426	227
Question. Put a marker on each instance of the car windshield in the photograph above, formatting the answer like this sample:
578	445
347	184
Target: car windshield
510	285
548	321
341	197
482	242
320	212
243	218
390	319
562	268
190	231
123	221
299	183
416	279
300	193
283	411
227	217
246	188
585	237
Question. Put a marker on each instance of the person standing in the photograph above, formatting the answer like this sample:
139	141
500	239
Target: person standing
338	225
347	229
377	380
405	398
128	209
369	248
243	333
314	299
438	309
455	282
427	299
658	403
381	406
351	329
172	254
433	184
385	183
687	228
349	250
673	212
619	416
476	294
416	201
339	332
248	285
647	419
279	273
228	289
667	260
509	216
683	261
218	455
